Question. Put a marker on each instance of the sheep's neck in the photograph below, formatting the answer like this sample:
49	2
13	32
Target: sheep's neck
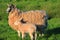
13	16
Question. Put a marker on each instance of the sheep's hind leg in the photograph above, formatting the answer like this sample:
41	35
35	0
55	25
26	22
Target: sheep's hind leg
42	32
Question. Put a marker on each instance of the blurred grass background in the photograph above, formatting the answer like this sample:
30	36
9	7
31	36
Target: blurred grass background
52	8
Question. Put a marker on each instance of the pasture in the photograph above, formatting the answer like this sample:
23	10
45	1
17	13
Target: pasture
51	6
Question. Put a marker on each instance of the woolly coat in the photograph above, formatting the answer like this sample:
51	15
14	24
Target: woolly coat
35	17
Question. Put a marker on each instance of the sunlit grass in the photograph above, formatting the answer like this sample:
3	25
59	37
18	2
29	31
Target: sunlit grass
51	6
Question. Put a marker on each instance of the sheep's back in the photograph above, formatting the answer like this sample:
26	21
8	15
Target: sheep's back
34	17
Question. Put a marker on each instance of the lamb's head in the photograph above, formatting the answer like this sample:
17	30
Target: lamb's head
10	7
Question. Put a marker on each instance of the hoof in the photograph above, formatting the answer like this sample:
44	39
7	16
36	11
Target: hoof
41	35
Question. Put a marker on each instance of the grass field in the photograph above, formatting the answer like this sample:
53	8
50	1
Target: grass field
51	6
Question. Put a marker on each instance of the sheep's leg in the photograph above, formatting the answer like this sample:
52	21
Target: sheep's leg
31	36
42	32
23	35
18	33
35	35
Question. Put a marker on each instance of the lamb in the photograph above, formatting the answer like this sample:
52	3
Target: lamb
25	28
37	17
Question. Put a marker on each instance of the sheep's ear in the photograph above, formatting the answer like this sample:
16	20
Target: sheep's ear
11	5
15	6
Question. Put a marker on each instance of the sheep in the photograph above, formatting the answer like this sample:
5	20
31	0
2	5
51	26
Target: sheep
16	24
37	17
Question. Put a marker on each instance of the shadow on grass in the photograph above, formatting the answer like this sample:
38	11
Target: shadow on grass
53	31
50	32
1	38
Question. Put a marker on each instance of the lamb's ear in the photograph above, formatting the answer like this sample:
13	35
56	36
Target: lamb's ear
20	19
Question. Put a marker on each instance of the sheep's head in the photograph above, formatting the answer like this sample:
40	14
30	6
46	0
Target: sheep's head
10	7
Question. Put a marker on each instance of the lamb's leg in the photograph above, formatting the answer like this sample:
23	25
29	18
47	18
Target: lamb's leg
23	35
35	36
18	33
31	36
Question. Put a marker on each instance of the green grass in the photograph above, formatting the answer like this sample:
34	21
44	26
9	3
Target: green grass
51	6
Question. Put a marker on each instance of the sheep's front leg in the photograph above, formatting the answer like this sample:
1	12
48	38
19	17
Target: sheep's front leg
23	35
18	33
